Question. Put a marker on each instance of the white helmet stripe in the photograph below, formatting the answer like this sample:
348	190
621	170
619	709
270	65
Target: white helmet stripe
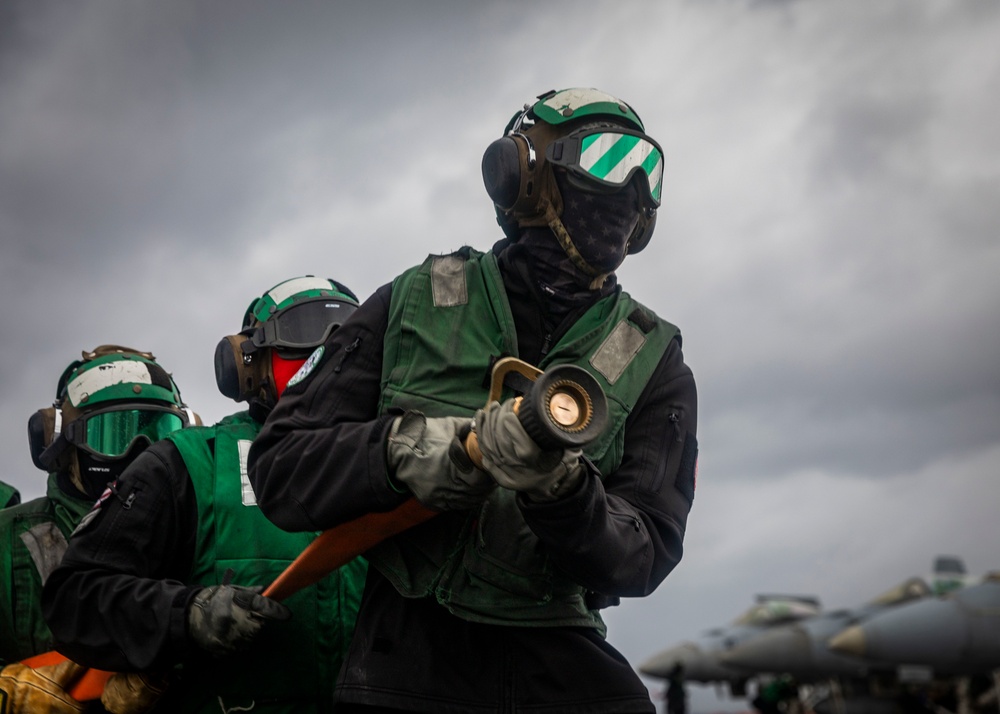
106	375
280	293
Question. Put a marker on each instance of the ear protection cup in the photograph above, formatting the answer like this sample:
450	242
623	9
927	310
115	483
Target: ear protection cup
643	232
502	172
227	375
240	375
45	444
519	180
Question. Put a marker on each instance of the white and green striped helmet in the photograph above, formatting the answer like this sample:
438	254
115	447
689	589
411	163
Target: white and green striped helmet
609	149
596	138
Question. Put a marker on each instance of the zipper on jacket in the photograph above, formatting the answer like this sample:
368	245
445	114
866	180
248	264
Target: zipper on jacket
675	420
546	343
347	351
126	502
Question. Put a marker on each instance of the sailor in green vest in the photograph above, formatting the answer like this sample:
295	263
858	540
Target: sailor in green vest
110	406
494	605
9	495
166	580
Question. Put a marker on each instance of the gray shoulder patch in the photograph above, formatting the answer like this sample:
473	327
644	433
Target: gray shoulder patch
617	351
448	281
46	544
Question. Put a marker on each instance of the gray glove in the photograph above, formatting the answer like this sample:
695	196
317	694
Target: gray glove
427	456
223	619
516	462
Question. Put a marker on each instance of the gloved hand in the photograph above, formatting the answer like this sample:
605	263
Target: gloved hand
24	690
516	462
133	692
427	456
225	618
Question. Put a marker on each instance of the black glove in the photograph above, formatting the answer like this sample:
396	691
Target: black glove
225	618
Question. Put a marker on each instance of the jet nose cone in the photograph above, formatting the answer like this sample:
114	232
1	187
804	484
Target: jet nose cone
849	642
661	664
776	651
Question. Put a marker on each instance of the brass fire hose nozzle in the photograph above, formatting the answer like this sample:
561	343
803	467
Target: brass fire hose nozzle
564	408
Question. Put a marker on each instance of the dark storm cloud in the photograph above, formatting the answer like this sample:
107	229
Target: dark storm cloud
120	125
827	242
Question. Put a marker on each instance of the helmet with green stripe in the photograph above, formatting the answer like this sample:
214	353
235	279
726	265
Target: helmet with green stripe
281	328
597	140
295	291
109	405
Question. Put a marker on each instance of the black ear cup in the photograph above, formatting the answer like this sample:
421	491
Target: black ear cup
228	360
46	446
240	375
502	171
644	231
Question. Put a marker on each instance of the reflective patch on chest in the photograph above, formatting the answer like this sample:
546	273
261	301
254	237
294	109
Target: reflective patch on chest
617	351
448	281
249	497
46	545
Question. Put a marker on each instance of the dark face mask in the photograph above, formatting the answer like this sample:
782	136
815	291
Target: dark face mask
97	472
599	223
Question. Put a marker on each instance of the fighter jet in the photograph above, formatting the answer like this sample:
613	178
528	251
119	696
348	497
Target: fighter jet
700	658
800	649
956	634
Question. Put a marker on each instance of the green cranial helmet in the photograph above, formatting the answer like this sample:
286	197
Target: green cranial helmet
597	140
574	104
106	403
116	396
288	322
118	375
292	292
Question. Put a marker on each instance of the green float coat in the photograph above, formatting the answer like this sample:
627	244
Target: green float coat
291	662
32	542
448	320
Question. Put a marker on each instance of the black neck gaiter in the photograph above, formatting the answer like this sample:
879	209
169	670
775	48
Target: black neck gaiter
598	223
97	472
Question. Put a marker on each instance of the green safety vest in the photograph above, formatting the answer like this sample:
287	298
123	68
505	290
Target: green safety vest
292	665
7	494
449	319
33	539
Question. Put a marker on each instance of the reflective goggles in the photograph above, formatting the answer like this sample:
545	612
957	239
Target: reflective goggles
112	432
302	326
610	158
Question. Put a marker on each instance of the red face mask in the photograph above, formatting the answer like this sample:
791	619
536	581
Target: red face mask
283	370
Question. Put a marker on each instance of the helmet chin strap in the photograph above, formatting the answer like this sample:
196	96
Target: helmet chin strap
562	235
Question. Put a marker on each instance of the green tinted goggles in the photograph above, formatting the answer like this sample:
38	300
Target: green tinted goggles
610	159
112	432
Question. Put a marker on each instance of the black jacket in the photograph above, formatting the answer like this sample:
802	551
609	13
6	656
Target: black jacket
320	461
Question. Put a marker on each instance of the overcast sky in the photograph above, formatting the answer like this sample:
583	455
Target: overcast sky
829	241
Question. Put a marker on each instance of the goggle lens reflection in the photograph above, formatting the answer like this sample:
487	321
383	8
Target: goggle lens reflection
611	159
112	433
